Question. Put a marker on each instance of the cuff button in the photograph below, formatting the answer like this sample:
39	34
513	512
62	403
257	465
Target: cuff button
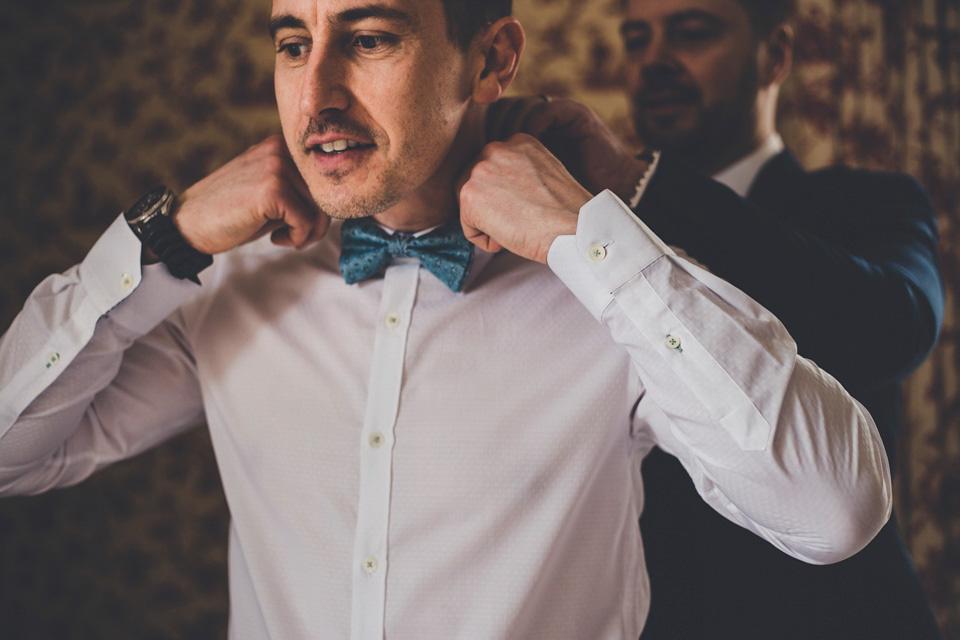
597	252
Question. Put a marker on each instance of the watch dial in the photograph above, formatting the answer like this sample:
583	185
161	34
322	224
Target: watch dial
145	203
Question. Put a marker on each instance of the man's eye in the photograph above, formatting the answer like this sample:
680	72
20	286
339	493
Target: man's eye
370	42
694	35
634	44
292	50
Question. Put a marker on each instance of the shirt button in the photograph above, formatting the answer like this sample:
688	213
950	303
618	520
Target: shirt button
377	440
53	359
370	564
392	320
126	281
674	342
597	252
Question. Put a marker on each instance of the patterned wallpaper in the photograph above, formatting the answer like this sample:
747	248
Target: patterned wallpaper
102	99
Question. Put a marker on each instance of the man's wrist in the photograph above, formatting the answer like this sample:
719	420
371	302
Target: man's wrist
150	219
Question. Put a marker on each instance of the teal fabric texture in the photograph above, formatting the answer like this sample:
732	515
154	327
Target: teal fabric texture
367	250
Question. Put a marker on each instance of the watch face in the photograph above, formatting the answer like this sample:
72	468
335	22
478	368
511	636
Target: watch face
145	203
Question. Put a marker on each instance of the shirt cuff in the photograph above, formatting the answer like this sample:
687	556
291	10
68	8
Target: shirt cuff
611	247
136	297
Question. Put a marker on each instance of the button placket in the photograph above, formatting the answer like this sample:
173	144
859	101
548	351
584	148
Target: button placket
371	553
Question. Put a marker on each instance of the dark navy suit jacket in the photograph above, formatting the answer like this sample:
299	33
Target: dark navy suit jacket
846	259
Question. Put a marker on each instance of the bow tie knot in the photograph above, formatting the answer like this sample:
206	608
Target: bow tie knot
367	250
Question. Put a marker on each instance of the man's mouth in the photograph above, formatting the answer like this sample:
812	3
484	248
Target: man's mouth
666	99
658	95
340	145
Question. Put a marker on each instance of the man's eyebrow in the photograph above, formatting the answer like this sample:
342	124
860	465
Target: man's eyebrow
285	21
696	14
675	19
633	25
374	10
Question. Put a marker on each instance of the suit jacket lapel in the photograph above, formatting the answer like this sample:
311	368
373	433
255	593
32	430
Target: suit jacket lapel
780	180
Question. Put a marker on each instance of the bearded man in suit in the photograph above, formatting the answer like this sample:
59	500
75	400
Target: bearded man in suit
845	258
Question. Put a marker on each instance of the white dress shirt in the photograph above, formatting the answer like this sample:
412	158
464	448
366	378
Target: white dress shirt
740	175
405	462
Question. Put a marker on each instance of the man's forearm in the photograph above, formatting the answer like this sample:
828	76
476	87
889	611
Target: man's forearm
866	307
63	414
771	441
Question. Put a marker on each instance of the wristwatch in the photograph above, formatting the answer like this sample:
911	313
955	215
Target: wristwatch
150	219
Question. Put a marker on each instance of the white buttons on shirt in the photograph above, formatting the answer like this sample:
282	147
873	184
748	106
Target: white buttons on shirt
370	564
53	359
376	440
126	281
674	343
392	320
597	252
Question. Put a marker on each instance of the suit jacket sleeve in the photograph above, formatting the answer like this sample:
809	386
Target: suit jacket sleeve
845	259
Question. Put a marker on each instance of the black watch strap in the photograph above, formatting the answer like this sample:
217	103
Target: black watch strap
150	219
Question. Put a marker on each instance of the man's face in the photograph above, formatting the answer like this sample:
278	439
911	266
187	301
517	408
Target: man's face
371	95
692	72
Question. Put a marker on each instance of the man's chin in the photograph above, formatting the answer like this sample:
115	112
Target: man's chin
355	206
674	133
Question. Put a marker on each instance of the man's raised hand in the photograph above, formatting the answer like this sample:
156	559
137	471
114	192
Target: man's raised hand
590	151
517	196
260	191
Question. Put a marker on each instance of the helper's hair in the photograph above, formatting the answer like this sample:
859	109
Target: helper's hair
466	18
767	14
764	14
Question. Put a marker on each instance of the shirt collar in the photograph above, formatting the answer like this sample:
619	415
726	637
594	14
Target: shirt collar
740	175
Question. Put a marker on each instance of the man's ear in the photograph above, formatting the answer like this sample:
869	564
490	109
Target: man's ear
778	59
501	46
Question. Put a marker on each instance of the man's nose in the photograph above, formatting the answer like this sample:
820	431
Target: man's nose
324	84
659	54
657	64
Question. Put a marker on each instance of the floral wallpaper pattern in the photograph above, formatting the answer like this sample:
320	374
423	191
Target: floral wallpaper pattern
102	99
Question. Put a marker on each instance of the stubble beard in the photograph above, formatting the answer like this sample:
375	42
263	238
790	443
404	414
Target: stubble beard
388	191
715	130
336	195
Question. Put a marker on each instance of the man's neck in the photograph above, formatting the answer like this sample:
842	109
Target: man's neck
740	174
435	202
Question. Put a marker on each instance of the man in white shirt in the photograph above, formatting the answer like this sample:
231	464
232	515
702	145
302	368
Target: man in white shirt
446	445
845	259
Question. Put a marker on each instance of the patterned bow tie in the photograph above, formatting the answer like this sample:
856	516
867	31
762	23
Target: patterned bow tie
367	250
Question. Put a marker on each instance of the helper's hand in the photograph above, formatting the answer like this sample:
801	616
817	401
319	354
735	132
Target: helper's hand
260	191
596	157
517	196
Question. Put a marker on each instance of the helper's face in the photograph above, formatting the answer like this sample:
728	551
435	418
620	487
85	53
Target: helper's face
371	95
692	71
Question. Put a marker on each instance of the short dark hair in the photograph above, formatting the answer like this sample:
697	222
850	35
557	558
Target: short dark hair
465	18
767	14
764	14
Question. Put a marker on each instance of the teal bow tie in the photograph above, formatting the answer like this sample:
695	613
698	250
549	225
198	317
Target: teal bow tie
367	251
